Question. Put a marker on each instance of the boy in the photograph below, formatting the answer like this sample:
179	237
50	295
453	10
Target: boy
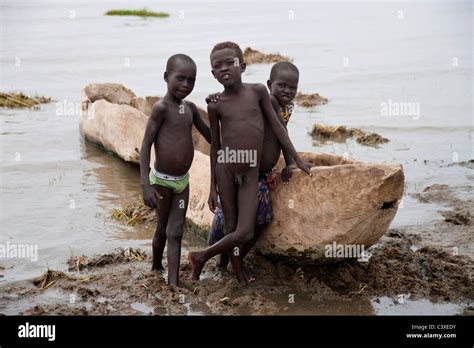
240	113
165	186
283	84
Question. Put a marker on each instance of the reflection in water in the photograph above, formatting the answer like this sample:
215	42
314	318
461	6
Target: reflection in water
304	304
119	185
119	181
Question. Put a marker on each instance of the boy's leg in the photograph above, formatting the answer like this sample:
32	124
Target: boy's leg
223	261
174	233
247	207
159	239
245	250
247	246
228	198
247	210
216	233
264	215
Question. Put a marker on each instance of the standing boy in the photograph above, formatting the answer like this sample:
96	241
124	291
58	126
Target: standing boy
237	127
282	84
165	186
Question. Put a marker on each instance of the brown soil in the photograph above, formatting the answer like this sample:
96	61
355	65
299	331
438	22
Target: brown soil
455	233
457	217
432	261
462	210
115	282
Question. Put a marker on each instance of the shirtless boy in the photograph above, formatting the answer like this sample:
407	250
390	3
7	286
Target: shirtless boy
165	187
240	113
282	84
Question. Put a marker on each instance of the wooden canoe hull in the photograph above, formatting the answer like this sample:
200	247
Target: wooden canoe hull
344	201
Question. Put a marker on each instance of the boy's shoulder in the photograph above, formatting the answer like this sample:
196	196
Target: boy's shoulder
257	87
158	110
159	106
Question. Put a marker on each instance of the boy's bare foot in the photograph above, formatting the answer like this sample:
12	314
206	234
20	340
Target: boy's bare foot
247	275
196	265
173	284
242	278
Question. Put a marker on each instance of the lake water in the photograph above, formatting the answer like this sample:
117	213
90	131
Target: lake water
58	192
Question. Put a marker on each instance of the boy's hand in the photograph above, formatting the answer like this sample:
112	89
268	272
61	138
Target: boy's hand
151	196
303	166
212	200
287	173
213	98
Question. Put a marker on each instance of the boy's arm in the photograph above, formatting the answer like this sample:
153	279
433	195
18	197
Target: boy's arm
286	173
288	159
153	125
277	127
199	123
215	146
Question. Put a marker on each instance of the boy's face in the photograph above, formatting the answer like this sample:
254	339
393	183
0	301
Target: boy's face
181	80
284	86
226	66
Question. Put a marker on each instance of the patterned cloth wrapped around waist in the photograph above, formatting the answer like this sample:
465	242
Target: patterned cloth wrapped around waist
266	183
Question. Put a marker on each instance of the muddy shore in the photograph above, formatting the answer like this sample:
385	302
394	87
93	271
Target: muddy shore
410	263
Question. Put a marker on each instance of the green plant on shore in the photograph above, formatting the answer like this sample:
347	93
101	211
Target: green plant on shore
141	13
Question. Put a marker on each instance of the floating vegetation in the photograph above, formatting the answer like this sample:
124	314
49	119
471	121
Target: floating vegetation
335	133
15	100
137	212
252	56
309	100
140	13
342	133
371	139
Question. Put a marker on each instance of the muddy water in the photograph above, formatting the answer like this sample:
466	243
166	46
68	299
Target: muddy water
58	193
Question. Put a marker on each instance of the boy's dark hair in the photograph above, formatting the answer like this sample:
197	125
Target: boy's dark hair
283	66
175	59
231	45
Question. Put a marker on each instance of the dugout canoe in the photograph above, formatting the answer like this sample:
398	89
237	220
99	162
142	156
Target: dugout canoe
347	202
